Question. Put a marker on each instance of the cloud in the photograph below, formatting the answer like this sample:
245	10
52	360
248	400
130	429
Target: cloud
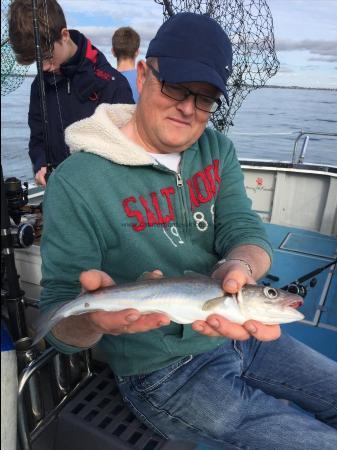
324	59
304	19
285	69
100	18
127	12
326	50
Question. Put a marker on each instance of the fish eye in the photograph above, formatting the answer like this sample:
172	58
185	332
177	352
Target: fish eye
270	292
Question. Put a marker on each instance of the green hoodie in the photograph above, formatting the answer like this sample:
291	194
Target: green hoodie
110	206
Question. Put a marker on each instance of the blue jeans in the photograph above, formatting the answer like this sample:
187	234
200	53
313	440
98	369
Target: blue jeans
228	398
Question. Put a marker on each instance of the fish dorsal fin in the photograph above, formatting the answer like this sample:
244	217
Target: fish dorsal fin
191	273
212	303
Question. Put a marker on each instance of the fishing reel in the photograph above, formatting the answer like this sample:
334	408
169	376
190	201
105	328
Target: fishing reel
14	234
296	287
22	234
17	197
301	289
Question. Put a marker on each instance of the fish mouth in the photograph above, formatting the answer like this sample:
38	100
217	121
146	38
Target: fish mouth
295	302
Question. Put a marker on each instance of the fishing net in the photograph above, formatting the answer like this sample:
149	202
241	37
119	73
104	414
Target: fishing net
12	74
249	25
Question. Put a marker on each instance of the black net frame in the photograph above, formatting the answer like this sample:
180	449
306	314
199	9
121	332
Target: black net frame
12	73
249	25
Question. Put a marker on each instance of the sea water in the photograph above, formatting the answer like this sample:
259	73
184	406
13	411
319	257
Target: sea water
265	126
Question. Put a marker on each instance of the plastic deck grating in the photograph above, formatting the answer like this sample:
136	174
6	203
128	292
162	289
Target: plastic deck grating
98	419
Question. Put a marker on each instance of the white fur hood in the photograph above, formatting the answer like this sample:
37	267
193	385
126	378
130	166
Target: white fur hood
100	134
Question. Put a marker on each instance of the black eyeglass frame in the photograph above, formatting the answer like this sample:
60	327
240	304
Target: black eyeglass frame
216	101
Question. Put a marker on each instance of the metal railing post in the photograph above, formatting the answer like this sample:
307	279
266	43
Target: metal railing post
305	144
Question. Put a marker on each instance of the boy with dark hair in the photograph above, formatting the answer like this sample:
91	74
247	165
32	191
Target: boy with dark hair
125	47
77	77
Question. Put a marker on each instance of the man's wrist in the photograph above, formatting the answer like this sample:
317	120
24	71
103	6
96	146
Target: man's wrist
78	331
239	260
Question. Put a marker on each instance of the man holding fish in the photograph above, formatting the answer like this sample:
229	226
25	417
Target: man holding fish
158	194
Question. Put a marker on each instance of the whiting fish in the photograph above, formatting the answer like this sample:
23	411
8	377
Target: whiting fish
183	300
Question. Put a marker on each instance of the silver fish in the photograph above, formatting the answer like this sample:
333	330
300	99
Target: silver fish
183	300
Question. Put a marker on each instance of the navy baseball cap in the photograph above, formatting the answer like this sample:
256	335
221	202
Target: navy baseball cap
192	47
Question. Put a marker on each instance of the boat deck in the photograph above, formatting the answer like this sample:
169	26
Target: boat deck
297	253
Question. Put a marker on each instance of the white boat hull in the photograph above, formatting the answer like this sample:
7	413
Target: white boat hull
294	197
9	392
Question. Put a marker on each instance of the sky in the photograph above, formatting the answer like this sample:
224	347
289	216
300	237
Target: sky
305	33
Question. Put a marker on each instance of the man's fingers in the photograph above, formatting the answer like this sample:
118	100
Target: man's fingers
155	274
219	326
128	321
109	321
262	332
40	179
232	285
148	322
125	321
235	279
233	275
40	176
94	279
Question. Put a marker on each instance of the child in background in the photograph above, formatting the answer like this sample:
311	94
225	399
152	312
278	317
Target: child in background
77	77
125	47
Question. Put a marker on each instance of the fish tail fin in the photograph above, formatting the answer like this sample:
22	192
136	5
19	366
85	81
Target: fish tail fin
42	328
45	322
40	333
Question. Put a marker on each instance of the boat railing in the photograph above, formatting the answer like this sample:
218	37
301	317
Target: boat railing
304	147
28	429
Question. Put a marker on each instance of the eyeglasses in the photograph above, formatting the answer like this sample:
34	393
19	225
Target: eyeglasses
180	93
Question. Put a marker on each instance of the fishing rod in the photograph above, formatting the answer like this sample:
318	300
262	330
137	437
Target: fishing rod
43	103
297	286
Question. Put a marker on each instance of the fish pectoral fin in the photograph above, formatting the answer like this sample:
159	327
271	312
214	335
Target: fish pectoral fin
212	303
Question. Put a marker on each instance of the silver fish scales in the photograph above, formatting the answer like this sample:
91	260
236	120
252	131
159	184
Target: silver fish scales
183	300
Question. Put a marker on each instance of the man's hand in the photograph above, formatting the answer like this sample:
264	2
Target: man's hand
126	321
40	176
86	330
235	276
